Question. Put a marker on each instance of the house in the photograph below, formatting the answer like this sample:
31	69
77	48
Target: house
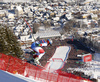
11	16
2	13
85	15
69	16
18	10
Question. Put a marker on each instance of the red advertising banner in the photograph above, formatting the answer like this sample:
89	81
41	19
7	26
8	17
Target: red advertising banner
87	58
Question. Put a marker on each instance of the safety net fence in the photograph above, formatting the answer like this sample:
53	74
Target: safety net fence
15	65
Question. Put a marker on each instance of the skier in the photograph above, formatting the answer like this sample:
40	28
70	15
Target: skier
38	52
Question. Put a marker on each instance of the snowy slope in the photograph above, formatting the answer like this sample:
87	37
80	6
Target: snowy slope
97	57
5	77
8	77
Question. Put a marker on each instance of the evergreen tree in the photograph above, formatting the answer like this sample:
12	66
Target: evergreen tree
8	42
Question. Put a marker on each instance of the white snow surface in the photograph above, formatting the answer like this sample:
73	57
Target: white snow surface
61	52
55	63
97	57
9	77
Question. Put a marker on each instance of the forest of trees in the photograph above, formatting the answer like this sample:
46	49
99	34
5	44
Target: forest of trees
8	42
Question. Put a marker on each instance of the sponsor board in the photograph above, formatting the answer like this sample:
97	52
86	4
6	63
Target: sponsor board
87	58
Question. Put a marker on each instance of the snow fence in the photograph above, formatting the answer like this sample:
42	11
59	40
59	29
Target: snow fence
15	65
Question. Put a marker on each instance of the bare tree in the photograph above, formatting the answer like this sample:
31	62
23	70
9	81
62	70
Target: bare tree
69	26
46	24
84	25
99	23
92	24
35	27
